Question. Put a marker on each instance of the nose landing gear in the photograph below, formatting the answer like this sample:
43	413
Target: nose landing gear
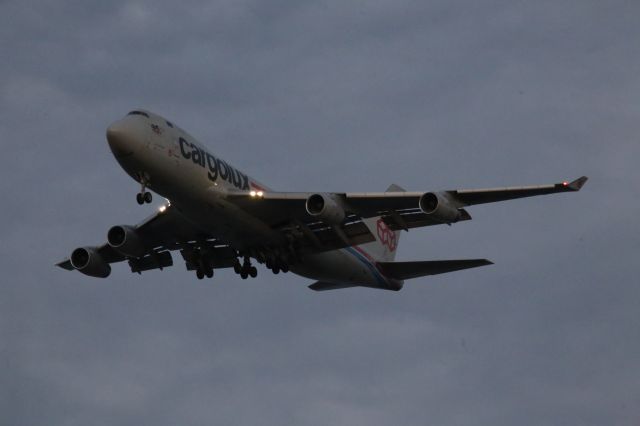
143	196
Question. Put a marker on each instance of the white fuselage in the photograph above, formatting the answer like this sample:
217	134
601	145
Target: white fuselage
197	182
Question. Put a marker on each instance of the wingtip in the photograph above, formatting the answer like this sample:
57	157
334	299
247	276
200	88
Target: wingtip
65	264
577	184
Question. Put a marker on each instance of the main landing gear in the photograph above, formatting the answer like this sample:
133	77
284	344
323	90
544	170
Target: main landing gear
203	271
277	261
276	264
197	261
202	257
143	196
245	270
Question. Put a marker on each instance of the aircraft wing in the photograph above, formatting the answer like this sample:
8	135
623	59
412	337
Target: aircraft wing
401	210
160	233
376	202
287	211
470	197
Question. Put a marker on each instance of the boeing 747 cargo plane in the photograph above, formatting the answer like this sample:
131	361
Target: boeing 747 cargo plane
219	217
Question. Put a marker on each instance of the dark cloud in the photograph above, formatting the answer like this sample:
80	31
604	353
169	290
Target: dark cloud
328	96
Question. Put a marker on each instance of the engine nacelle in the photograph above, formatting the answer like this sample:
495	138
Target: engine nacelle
88	261
325	208
126	241
438	206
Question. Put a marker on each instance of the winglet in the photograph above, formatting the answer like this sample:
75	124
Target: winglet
577	184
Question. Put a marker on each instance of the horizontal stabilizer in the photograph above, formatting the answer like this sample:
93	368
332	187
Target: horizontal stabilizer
324	286
408	270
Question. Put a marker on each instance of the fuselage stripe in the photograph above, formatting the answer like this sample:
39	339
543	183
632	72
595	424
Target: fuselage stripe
365	259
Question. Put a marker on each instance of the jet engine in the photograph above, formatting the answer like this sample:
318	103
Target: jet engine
326	208
126	241
88	261
438	206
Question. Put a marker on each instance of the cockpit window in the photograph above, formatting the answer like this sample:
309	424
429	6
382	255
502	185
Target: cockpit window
169	124
139	113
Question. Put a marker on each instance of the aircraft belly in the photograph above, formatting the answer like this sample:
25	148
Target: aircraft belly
337	266
223	220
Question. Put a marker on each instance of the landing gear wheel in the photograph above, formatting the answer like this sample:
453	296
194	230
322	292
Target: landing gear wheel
276	270
285	268
199	274
209	273
253	272
244	275
143	196
237	268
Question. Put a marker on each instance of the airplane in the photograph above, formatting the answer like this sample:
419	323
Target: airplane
219	217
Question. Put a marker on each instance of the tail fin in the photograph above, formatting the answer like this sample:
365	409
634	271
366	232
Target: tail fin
384	247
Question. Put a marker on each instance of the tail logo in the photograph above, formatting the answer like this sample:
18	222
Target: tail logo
386	235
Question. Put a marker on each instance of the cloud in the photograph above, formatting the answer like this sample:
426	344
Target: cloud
327	96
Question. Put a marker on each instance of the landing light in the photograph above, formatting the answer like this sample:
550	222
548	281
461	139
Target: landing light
163	207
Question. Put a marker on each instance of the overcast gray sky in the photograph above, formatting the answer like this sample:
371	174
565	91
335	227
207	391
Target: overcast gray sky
328	95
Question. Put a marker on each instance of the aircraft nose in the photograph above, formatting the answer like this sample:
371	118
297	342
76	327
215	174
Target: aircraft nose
123	138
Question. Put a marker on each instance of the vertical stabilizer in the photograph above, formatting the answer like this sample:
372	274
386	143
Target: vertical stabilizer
384	248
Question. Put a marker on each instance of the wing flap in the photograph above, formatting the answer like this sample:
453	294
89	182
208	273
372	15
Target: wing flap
408	270
416	219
